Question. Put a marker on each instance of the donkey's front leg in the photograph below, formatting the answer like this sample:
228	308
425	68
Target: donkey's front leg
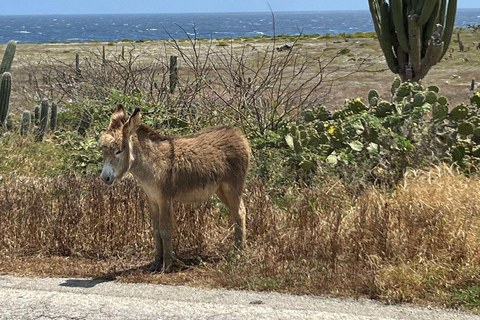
155	218
166	232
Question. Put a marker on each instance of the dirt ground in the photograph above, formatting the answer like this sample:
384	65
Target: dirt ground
349	75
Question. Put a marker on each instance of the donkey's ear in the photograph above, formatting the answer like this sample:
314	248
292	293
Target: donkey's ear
120	112
132	123
118	117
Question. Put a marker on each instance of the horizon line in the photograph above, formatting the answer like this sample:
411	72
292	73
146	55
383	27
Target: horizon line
214	12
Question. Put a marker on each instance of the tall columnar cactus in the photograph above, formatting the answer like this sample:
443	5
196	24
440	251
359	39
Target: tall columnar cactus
42	128
53	117
26	123
37	115
8	56
6	80
5	89
414	34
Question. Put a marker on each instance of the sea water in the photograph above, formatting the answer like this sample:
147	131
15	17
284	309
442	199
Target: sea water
82	28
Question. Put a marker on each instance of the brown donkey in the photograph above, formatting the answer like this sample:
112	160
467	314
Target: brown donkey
184	169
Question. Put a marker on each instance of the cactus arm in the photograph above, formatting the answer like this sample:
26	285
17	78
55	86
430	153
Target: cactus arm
375	11
432	56
8	56
427	11
441	14
382	29
410	5
415	39
429	27
402	57
5	89
386	39
396	6
419	5
449	24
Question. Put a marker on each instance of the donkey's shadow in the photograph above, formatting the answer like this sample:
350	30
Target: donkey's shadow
178	266
110	276
82	283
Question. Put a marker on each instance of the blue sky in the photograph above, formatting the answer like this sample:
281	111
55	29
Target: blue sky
165	6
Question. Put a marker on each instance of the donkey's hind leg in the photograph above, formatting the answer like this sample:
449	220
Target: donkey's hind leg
155	220
232	197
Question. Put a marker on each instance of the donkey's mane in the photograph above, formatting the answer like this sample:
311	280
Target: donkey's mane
146	132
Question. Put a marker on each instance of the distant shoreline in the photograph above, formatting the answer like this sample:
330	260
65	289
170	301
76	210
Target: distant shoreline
79	28
280	38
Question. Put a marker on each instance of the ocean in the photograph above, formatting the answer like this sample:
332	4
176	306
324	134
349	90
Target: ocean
84	28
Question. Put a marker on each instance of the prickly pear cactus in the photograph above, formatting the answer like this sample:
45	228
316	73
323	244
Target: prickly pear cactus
439	112
383	109
430	96
475	100
373	98
405	89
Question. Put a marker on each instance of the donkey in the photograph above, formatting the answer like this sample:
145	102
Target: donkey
185	169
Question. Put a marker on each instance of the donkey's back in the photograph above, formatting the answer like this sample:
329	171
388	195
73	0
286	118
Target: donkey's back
208	160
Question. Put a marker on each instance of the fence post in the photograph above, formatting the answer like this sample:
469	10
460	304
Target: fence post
472	85
460	43
78	71
173	73
77	62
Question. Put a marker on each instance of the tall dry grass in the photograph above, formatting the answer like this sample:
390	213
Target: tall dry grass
420	241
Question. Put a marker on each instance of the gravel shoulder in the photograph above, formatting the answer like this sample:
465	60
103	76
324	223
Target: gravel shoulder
63	298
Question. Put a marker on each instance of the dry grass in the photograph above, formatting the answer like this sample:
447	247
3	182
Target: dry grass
415	244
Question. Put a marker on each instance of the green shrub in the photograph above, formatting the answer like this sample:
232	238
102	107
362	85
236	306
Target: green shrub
378	141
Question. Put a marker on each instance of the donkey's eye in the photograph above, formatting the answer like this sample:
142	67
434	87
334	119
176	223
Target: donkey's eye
119	152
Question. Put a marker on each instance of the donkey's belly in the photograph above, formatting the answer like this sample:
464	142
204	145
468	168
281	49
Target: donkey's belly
196	195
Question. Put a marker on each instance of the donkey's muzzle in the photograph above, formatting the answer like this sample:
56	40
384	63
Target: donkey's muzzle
107	175
107	179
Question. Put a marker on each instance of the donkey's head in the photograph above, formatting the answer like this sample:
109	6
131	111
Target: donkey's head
116	144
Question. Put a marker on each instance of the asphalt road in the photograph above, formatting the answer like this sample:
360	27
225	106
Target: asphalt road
56	298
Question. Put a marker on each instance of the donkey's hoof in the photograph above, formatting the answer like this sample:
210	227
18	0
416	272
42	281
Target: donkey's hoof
156	266
167	268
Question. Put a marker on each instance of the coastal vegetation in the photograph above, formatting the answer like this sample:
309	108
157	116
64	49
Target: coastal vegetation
361	185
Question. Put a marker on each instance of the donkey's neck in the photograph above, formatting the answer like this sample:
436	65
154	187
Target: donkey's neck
151	155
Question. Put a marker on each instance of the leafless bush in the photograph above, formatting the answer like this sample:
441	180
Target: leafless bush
99	75
251	85
255	87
